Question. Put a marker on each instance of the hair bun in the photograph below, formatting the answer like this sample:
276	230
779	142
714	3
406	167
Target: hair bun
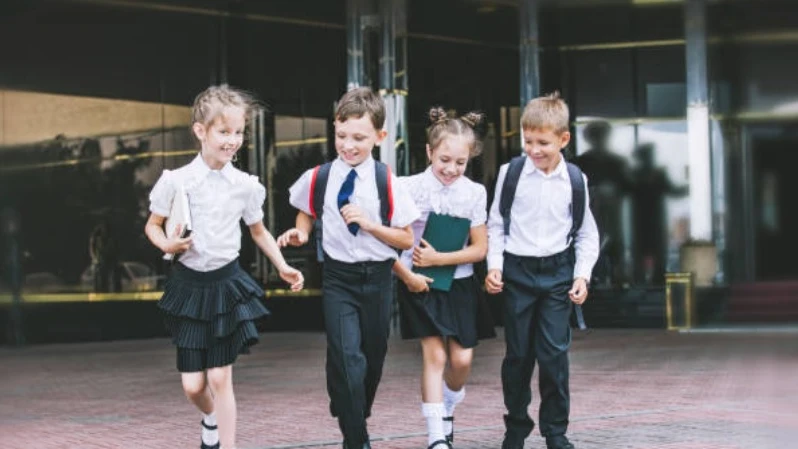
437	114
473	119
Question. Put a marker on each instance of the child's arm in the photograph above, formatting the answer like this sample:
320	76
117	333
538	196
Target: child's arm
415	282
476	250
586	244
298	235
169	245
401	238
263	238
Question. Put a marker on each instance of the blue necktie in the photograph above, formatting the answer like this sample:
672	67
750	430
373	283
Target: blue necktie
343	197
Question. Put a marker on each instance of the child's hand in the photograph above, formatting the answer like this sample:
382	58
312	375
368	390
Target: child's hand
417	283
353	214
493	281
293	237
578	292
425	256
293	277
175	244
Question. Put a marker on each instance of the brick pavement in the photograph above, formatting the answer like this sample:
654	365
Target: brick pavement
630	389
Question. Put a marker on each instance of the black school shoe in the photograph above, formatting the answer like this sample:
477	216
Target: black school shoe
450	435
558	442
202	443
440	443
366	445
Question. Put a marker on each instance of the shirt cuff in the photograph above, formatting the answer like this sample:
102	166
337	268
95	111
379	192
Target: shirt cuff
158	211
496	262
582	270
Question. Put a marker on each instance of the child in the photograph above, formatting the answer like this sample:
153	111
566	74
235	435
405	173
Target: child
210	302
448	323
358	244
542	267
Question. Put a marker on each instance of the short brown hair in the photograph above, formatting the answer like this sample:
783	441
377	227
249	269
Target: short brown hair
358	102
548	111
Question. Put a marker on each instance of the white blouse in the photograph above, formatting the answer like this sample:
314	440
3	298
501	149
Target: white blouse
218	200
464	198
337	242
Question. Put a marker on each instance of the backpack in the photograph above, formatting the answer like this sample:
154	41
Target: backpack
318	188
578	198
578	206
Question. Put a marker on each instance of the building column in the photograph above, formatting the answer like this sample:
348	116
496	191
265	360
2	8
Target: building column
529	50
394	150
698	121
355	67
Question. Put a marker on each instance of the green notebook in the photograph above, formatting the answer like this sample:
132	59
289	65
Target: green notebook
446	234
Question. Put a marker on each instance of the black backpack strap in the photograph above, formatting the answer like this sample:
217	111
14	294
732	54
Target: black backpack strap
578	210
508	189
318	188
578	200
382	174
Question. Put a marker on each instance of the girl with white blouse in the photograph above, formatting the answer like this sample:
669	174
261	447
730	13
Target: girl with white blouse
448	323
210	302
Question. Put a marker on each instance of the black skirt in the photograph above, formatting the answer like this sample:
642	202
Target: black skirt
210	315
461	313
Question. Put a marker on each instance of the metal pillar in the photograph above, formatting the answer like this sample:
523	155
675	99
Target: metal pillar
355	67
698	120
393	84
528	49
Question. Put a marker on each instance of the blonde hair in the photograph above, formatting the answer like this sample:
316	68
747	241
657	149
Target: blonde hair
465	126
211	102
548	111
358	102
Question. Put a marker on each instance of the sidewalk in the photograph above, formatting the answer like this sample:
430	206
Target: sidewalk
629	389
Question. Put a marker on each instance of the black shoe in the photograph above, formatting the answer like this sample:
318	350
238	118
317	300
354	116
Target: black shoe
202	443
512	444
366	445
558	442
437	443
450	435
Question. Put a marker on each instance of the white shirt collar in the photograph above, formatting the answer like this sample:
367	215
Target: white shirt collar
559	170
199	169
434	184
363	170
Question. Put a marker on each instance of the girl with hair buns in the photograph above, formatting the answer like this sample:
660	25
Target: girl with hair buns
209	301
449	324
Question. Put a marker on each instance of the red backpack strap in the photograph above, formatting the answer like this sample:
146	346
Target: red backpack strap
390	196
313	190
382	173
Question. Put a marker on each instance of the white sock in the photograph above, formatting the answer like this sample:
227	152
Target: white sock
434	414
450	401
210	437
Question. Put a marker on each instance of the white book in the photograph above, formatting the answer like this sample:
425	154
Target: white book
179	215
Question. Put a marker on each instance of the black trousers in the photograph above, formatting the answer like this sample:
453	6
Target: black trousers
357	311
537	310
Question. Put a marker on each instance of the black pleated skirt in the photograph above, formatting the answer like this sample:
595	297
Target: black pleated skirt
461	313
210	315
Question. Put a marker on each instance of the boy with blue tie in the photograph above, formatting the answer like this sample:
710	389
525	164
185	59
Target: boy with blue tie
366	215
541	257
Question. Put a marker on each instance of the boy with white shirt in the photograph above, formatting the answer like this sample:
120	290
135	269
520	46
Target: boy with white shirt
358	248
543	268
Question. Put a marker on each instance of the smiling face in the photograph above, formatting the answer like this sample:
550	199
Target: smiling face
450	158
543	147
355	138
222	137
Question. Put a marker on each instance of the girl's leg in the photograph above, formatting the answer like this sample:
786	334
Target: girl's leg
195	386
434	361
221	383
454	382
